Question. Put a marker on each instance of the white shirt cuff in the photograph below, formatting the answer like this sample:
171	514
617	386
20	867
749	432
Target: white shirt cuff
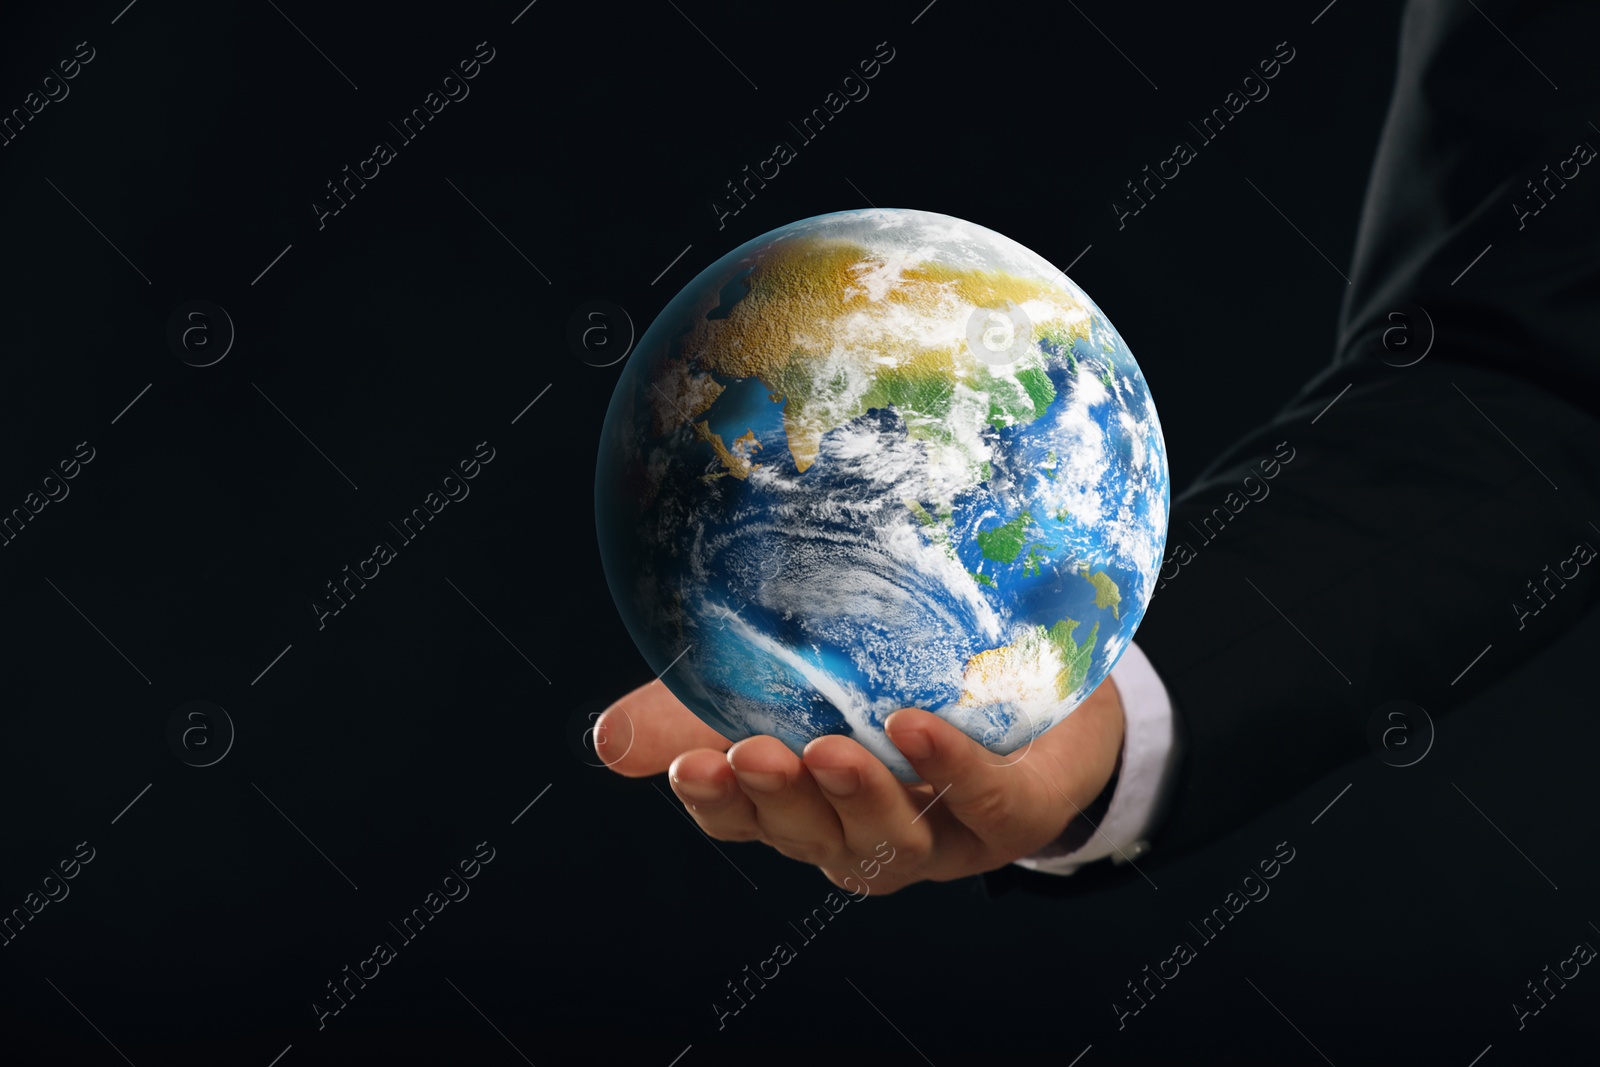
1149	757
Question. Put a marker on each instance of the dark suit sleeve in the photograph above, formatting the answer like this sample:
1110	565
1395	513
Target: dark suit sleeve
1435	509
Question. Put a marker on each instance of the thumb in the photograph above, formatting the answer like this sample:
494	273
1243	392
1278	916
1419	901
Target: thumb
1003	805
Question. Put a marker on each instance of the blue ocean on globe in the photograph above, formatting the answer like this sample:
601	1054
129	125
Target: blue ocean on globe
881	459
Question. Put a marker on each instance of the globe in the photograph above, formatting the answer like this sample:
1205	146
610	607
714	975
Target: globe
881	459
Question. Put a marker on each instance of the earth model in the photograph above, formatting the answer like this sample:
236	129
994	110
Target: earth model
881	459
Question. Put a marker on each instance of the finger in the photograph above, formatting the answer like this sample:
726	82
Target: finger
1006	807
1079	753
795	818
704	782
859	887
872	805
644	731
886	881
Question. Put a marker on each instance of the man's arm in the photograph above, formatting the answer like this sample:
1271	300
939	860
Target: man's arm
1442	499
1395	548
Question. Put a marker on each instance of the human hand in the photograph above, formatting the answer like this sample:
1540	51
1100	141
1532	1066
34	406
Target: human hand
973	811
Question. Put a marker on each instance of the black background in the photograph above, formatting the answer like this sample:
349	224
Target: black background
424	717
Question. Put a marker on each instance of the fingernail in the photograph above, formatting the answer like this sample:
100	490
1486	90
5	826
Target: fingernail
914	742
840	781
699	789
762	781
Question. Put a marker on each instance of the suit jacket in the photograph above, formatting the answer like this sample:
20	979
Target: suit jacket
1436	526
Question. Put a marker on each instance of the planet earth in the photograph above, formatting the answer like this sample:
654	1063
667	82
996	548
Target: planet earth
881	459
